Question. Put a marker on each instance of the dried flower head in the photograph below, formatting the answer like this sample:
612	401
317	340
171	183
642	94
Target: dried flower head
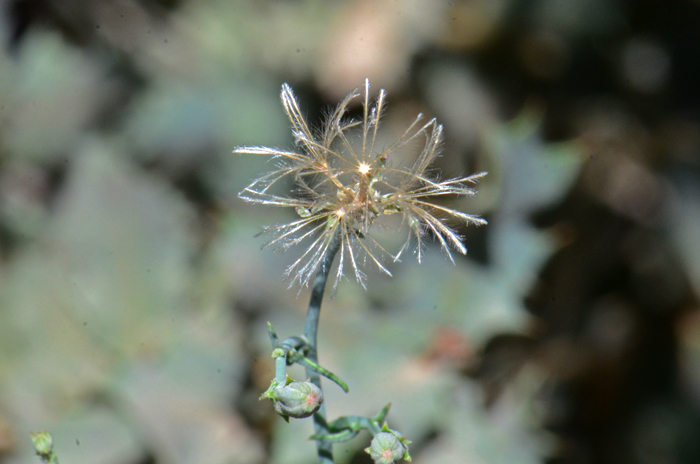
345	183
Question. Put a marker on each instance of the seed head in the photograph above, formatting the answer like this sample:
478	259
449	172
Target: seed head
345	183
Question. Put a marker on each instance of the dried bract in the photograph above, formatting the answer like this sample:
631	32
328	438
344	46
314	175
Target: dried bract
345	184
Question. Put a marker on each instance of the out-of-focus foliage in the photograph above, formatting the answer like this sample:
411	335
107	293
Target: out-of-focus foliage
134	296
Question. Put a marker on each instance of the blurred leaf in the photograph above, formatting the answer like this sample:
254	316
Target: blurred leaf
530	172
101	308
685	227
503	435
49	97
94	435
530	175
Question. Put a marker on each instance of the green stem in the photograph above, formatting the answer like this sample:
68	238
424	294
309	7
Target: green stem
325	448
281	370
324	372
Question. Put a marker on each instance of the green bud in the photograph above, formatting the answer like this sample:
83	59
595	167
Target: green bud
43	443
298	399
386	448
303	212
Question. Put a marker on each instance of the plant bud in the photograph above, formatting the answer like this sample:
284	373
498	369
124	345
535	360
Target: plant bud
386	448
43	443
298	399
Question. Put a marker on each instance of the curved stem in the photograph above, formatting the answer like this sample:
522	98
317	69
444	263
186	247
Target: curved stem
325	448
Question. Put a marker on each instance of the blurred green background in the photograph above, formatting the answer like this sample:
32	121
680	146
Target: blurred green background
134	295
